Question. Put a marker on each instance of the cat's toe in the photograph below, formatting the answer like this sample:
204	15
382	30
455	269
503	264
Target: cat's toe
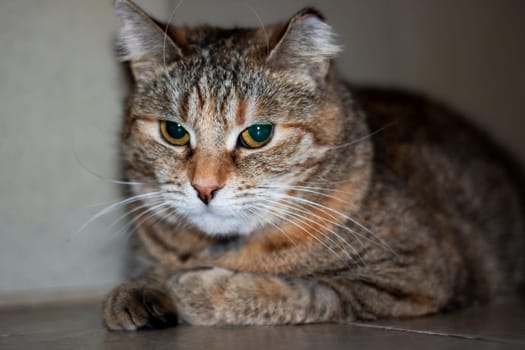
137	306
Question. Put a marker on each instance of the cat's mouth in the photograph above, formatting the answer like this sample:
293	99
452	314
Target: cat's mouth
213	223
223	215
216	219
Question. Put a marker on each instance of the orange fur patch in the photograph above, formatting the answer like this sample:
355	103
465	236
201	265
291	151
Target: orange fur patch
271	250
240	116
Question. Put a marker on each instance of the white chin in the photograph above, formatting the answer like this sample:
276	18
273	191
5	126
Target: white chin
212	225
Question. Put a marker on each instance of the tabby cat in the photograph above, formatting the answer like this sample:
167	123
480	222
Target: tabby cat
265	191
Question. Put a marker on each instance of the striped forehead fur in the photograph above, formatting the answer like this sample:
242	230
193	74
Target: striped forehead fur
275	92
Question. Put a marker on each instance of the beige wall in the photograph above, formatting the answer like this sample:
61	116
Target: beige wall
60	95
61	91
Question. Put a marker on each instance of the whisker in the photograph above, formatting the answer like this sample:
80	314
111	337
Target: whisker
134	222
355	233
164	40
123	216
101	204
380	242
296	188
302	209
330	182
358	236
335	221
352	143
253	212
266	37
313	188
168	209
273	209
339	244
361	139
114	206
98	176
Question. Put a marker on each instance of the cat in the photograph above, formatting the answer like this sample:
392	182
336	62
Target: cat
265	190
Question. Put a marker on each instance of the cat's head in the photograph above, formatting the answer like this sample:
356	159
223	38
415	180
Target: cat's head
228	125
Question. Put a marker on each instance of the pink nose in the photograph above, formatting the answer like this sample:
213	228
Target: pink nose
206	192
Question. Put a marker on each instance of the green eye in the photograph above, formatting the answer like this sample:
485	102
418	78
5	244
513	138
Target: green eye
256	135
174	133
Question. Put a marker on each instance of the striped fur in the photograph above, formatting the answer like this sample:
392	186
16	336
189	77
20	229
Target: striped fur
325	223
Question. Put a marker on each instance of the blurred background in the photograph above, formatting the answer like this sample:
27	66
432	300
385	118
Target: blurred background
61	95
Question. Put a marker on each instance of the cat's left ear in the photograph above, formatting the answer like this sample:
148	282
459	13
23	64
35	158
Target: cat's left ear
305	44
142	41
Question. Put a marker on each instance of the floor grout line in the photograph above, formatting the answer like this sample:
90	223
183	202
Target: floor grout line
439	334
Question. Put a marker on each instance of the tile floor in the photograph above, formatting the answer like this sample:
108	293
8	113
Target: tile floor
500	325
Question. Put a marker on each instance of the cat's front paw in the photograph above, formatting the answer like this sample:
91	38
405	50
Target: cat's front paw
198	293
133	306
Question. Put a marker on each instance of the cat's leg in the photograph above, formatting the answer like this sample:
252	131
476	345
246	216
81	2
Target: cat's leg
217	296
139	305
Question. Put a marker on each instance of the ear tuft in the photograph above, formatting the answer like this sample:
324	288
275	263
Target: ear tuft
307	43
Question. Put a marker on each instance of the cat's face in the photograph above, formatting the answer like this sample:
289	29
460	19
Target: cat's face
224	132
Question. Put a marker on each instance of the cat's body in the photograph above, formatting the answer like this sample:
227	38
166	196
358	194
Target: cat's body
398	211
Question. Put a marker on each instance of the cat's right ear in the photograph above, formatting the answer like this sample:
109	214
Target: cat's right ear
142	41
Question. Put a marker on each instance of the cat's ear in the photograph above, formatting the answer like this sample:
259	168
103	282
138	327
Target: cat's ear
306	44
141	40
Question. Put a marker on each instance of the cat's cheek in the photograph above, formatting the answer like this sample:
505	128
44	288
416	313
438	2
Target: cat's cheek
144	130
165	163
259	167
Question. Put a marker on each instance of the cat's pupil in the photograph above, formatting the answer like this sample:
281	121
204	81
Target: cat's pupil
260	132
175	130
